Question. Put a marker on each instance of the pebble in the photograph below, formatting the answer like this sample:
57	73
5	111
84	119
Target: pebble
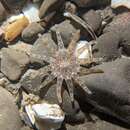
13	63
2	13
18	26
30	33
93	19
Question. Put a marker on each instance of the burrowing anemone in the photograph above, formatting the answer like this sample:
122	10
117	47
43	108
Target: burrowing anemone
64	65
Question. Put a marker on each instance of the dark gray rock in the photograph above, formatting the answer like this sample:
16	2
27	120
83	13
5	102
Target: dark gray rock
110	90
9	115
30	33
91	3
120	27
3	13
66	29
125	43
13	63
44	45
93	19
107	46
49	6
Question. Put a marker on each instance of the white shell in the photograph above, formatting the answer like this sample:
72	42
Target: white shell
86	53
118	3
30	113
49	112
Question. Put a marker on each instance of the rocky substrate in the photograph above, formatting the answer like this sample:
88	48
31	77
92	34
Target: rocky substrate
22	66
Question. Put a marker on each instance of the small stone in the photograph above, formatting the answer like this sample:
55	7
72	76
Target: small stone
93	19
9	115
3	13
70	7
44	46
13	63
30	33
66	29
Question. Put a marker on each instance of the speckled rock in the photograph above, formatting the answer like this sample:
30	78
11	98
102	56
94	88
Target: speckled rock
13	63
110	90
93	19
9	115
30	33
66	29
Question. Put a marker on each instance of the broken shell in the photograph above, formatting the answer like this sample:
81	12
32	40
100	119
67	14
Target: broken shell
49	112
118	3
45	116
84	52
14	29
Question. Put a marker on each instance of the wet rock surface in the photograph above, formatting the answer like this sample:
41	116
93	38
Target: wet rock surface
106	85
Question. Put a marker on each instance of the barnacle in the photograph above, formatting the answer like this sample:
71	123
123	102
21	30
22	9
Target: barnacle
65	66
